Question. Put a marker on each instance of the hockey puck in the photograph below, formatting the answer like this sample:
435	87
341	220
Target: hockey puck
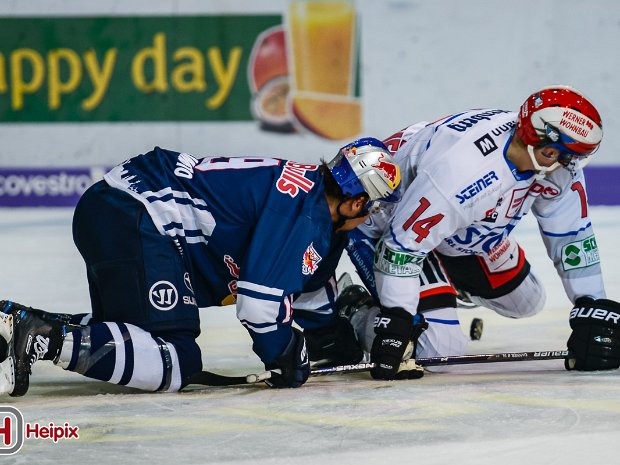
475	330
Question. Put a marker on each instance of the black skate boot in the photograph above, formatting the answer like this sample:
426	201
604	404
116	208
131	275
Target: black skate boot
64	318
29	338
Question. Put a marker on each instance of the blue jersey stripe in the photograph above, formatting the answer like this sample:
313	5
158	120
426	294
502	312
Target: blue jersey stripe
569	233
443	322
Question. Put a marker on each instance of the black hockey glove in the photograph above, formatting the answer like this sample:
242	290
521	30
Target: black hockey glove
395	330
335	344
595	340
293	363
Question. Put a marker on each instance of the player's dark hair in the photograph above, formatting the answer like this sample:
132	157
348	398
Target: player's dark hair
332	188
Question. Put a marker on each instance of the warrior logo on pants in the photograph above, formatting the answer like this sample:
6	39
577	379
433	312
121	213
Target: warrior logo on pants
163	295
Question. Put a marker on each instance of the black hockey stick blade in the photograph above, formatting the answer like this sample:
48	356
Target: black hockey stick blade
208	378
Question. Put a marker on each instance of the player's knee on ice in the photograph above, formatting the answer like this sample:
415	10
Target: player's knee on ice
526	300
122	353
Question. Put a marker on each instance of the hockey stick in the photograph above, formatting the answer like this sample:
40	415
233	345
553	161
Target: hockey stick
455	360
212	379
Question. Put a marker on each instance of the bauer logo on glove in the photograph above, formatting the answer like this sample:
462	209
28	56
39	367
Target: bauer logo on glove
396	330
382	321
595	313
595	340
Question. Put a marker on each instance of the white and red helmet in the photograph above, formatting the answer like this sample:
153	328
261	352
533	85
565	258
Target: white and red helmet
561	117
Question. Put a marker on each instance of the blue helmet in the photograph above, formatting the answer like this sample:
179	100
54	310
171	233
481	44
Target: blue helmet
366	166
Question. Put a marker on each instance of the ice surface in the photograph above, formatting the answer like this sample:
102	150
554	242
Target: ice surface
506	413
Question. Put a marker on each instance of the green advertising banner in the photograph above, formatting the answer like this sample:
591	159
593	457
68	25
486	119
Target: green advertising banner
127	68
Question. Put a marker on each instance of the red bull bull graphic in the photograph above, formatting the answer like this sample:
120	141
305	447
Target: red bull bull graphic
235	271
232	266
391	172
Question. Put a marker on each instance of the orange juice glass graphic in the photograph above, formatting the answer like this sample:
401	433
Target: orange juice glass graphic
323	40
323	55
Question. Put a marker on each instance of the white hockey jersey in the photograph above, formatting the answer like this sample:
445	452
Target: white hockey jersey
463	196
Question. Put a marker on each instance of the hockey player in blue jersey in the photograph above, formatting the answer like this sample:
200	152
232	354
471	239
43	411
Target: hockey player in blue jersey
166	233
467	181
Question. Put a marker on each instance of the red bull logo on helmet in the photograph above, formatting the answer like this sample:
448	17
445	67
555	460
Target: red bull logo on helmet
390	170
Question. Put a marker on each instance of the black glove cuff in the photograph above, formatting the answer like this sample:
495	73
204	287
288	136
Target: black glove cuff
394	321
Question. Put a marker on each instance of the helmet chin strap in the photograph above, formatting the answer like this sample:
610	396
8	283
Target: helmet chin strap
541	171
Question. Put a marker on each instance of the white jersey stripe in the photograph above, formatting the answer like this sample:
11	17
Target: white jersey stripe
254	329
258	288
148	370
257	311
119	345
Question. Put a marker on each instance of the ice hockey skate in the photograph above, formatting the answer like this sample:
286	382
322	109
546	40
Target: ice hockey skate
28	338
352	298
463	299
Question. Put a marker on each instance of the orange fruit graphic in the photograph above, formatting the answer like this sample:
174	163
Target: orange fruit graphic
328	116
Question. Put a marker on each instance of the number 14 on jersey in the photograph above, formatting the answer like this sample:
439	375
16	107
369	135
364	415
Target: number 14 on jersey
422	226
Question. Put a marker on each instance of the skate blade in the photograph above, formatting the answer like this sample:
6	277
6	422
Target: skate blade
7	376
344	281
6	327
7	367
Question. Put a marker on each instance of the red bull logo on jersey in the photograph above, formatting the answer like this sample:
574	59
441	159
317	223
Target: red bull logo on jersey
390	170
292	179
232	266
234	271
310	261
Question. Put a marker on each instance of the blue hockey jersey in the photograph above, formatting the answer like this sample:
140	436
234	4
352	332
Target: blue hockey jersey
252	230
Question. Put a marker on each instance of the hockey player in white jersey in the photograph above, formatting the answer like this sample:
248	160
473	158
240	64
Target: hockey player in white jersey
468	179
166	233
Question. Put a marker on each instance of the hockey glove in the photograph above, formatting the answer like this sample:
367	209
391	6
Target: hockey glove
293	364
335	344
397	332
595	340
